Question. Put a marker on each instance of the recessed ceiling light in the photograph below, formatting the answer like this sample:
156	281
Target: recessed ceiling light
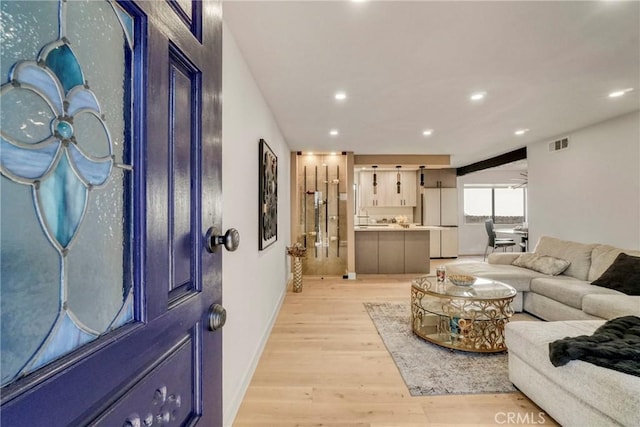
333	132
619	93
477	96
521	131
340	96
427	132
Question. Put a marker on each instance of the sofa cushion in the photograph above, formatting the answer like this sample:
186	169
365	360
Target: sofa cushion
611	306
543	264
578	254
602	257
567	290
623	275
503	257
517	277
611	392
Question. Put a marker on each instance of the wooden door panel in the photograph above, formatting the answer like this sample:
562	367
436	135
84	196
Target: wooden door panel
177	196
169	386
190	13
184	94
106	371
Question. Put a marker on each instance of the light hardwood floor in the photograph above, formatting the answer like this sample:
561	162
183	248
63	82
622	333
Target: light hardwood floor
325	364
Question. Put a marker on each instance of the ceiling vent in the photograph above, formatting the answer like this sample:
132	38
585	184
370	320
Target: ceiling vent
559	145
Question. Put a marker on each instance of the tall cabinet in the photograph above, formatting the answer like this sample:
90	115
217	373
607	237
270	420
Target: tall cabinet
440	208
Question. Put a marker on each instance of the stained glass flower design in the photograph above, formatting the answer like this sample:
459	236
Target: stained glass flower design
53	160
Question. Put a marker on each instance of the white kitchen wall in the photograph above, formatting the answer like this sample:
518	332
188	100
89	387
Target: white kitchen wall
472	238
254	282
591	191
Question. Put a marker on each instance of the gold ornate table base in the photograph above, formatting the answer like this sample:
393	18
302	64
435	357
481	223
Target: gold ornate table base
474	320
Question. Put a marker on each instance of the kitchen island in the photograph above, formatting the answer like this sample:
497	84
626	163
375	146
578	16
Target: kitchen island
393	249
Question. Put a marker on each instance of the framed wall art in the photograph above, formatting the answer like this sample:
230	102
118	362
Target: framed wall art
268	191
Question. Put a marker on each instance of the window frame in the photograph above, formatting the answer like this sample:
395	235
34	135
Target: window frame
493	187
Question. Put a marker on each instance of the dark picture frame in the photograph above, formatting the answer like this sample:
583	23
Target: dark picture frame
268	195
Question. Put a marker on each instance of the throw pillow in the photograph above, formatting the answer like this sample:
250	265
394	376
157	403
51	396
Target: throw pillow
623	275
542	263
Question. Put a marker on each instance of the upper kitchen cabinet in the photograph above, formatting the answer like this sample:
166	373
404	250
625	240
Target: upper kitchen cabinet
410	188
371	189
444	178
386	192
401	188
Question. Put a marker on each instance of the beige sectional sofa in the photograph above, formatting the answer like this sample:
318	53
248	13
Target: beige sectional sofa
567	296
578	393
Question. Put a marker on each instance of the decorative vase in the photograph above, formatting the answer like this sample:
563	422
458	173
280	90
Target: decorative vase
297	274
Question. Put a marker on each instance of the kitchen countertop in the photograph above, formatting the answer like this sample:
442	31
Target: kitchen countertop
398	227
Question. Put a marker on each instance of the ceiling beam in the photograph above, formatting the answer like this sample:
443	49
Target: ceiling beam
503	159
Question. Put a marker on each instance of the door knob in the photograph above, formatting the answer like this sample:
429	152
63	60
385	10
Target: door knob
217	317
230	240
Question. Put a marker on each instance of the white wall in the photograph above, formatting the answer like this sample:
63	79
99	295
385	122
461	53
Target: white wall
254	282
591	191
472	238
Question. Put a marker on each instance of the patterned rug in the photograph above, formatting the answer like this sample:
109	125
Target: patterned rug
430	370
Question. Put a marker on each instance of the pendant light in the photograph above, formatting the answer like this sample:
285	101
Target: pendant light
398	181
375	180
421	176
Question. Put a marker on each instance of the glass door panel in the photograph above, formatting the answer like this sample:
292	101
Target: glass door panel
66	184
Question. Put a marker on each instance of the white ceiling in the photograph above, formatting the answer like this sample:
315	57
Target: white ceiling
409	66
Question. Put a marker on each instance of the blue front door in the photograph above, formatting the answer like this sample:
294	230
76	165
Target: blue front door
110	154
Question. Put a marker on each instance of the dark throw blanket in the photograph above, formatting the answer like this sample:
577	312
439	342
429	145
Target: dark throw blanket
614	345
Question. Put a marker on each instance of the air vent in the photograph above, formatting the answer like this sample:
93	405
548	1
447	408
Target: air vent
560	144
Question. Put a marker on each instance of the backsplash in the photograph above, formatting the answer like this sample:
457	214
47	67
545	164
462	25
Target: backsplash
384	214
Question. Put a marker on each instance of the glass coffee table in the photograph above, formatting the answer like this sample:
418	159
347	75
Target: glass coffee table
468	318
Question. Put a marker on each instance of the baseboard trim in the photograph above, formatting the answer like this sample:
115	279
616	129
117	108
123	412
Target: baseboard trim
232	410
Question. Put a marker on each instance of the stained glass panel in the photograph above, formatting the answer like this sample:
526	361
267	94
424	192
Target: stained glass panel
30	266
96	302
21	39
66	185
25	116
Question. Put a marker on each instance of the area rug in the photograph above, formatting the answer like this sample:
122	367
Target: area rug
430	370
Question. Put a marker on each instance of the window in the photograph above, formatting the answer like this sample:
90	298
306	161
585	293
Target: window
501	203
477	205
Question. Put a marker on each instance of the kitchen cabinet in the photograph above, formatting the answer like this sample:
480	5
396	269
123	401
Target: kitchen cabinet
441	209
367	253
449	243
386	194
440	206
416	252
445	178
369	198
392	252
408	189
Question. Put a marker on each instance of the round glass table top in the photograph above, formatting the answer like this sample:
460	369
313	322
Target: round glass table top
484	289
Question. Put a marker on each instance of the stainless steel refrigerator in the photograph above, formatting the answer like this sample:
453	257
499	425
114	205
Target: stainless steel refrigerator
440	208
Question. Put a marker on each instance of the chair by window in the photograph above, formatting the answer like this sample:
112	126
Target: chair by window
494	242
